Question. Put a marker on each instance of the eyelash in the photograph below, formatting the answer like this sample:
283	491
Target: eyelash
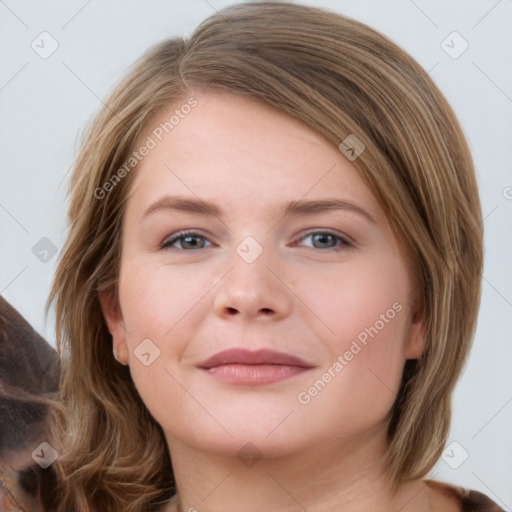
345	242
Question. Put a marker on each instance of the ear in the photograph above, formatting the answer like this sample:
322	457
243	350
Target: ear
416	339
114	319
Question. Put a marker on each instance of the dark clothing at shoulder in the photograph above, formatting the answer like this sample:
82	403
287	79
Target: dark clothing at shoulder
468	500
474	501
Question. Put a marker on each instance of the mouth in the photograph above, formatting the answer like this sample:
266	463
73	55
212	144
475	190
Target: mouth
245	367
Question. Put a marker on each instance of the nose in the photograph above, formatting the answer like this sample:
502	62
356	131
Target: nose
253	290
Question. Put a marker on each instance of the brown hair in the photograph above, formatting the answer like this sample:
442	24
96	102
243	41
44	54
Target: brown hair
339	77
29	379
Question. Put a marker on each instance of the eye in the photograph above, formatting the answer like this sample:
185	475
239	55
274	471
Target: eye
327	240
191	240
187	240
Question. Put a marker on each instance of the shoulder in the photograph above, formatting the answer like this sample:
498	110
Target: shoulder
458	499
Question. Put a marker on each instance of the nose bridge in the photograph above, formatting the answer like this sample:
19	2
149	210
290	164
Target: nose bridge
251	288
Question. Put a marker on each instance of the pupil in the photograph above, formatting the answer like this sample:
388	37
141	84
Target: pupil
188	240
323	238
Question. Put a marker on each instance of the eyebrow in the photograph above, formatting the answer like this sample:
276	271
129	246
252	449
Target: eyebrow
293	208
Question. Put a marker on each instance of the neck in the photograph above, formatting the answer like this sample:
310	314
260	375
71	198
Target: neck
331	475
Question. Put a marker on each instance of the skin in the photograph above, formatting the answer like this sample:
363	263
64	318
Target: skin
309	296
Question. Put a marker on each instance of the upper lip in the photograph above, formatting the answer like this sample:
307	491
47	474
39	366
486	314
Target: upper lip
244	356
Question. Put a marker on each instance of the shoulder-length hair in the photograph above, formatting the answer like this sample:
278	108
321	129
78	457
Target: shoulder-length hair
340	78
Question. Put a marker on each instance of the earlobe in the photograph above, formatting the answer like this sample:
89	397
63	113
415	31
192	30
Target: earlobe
114	319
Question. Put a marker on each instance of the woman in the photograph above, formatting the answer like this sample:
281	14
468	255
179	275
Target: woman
254	367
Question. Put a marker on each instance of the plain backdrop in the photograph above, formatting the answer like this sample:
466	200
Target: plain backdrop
46	100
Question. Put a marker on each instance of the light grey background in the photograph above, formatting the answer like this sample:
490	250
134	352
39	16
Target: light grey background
46	102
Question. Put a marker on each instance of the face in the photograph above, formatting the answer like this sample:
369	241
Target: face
247	232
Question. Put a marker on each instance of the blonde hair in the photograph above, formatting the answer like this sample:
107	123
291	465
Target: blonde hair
339	77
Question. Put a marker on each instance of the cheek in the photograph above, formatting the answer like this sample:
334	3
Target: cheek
151	310
155	299
364	302
365	311
159	306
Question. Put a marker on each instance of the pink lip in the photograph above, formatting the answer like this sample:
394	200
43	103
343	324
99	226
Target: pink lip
241	366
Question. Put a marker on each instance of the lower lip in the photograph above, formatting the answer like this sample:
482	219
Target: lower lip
253	374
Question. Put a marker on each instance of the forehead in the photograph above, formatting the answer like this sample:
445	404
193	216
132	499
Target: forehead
232	148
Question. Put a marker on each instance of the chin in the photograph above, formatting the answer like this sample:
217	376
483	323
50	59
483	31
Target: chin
249	433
